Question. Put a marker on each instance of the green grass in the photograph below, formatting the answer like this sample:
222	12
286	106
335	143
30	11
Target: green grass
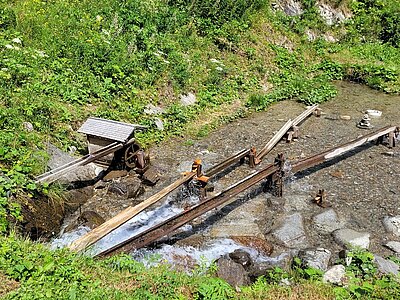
32	271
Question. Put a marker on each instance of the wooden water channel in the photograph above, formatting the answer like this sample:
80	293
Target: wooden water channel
272	172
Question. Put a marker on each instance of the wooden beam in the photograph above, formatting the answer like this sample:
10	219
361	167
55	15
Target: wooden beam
55	174
96	234
284	129
275	139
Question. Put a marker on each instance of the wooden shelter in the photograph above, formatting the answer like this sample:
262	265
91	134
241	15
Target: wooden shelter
102	132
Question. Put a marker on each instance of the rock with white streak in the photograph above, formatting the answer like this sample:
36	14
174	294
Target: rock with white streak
189	99
351	238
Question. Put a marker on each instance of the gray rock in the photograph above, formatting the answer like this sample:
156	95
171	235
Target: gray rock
316	258
232	272
349	237
188	99
291	232
59	158
260	268
386	266
241	257
327	221
150	109
330	15
28	126
394	246
128	187
159	123
289	7
392	224
335	275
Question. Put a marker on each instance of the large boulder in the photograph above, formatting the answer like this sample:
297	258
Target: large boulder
316	258
127	187
291	233
335	275
232	272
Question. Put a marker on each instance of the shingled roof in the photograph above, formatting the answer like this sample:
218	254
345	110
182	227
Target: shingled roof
109	129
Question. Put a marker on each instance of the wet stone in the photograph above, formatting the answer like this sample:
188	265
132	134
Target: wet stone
291	232
392	224
316	258
261	245
386	266
241	257
232	272
327	221
90	219
260	268
335	275
351	238
129	187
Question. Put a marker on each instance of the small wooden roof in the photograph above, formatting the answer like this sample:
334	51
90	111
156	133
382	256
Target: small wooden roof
109	129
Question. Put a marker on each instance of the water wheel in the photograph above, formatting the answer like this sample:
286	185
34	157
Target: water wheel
131	155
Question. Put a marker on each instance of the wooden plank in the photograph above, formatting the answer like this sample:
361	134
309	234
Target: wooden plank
54	174
168	226
304	115
275	139
96	234
226	163
334	152
284	129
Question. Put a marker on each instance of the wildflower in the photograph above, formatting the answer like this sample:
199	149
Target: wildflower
17	40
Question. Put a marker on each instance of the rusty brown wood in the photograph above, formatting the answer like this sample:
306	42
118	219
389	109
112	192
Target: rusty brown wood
167	227
227	162
336	151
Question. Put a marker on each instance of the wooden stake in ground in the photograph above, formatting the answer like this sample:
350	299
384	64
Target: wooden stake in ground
96	234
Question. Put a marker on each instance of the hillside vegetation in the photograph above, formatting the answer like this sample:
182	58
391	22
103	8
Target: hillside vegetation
63	61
